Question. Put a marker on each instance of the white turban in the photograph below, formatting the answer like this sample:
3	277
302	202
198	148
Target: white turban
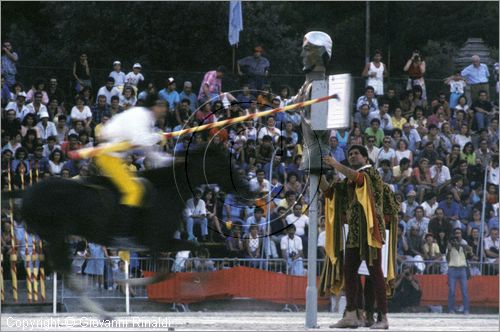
319	38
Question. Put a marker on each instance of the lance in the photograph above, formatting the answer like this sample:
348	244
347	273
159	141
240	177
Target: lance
123	146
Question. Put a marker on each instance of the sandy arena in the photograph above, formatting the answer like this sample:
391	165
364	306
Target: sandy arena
240	321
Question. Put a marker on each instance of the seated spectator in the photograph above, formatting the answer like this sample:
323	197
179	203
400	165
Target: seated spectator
38	87
375	131
369	99
440	174
202	263
398	120
300	221
335	150
468	154
256	219
356	136
260	183
109	90
234	242
408	207
432	254
402	175
463	137
264	150
491	248
233	210
291	249
36	106
412	137
451	209
402	151
80	112
373	151
252	243
422	179
384	117
45	127
292	184
419	221
387	153
169	94
415	255
56	162
276	167
269	130
407	290
430	204
457	187
475	223
429	153
483	110
127	98
195	212
385	171
362	118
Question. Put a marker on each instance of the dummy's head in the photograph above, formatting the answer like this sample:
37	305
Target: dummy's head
316	51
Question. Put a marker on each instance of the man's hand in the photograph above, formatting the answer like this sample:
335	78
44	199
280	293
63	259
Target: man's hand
330	161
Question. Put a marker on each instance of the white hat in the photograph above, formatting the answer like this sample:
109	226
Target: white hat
320	38
22	94
116	63
137	65
44	114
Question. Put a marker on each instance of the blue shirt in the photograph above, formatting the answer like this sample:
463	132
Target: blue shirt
475	75
465	212
338	153
172	97
450	210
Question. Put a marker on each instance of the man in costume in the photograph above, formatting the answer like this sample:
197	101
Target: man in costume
358	201
132	128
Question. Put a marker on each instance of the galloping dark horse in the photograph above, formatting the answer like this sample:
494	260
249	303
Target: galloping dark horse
56	208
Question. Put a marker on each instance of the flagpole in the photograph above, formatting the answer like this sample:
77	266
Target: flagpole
234	56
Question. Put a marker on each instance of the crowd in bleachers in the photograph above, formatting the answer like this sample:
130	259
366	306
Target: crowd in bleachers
432	147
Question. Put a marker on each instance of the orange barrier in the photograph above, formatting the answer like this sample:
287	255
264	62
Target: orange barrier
190	287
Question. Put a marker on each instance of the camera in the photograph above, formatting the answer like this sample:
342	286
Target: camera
292	254
407	273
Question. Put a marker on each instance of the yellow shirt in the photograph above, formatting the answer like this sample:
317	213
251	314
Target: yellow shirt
457	258
398	123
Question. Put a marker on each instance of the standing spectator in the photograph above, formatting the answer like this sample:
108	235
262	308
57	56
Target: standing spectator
134	77
476	75
457	87
369	99
195	212
457	264
300	221
375	71
187	93
95	263
81	73
440	224
108	90
291	250
9	60
211	86
415	67
117	74
234	242
169	94
55	93
254	68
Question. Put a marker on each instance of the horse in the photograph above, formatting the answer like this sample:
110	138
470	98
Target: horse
89	207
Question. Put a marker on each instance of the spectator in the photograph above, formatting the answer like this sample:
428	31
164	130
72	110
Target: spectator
375	131
127	98
55	93
38	87
387	153
99	109
415	67
383	116
260	183
397	119
477	76
422	177
407	290
9	60
233	210
335	150
418	121
81	73
95	263
79	260
269	130
86	95
117	74
11	126
169	94
415	255
19	106
430	205
457	265
402	151
476	247
211	86
491	245
468	154
451	209
234	242
411	136
483	152
202	263
440	174
356	137
29	123
483	110
475	223
432	254
369	99
135	77
300	221
109	90
362	118
402	175
187	93
81	112
375	71
420	221
373	151
291	249
56	162
385	171
457	87
37	107
256	219
45	127
254	68
195	212
252	244
440	223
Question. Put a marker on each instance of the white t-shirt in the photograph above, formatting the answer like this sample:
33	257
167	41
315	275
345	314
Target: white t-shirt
192	209
105	92
429	210
488	243
274	133
299	222
402	154
322	239
81	116
291	245
443	176
382	154
119	77
133	79
457	86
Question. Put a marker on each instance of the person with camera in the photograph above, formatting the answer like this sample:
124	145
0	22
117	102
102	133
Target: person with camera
407	290
415	67
9	60
291	249
491	248
456	256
